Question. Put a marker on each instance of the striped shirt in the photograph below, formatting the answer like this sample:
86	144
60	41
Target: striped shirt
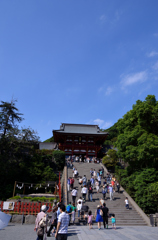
64	222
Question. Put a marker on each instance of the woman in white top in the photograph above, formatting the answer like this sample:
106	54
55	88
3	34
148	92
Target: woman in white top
84	192
94	174
97	185
126	203
101	202
80	181
79	206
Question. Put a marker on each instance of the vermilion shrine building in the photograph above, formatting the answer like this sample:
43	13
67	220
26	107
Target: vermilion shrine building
79	139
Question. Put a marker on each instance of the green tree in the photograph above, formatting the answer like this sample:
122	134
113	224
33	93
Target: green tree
113	133
110	160
9	115
19	158
137	141
142	183
59	157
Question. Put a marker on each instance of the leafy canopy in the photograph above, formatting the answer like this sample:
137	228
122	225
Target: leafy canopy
137	141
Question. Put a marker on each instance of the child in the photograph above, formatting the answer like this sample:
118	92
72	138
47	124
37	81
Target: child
113	221
127	204
90	216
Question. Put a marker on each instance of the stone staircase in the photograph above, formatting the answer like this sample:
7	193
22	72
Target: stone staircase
123	216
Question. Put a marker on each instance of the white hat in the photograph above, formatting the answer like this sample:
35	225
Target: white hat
43	208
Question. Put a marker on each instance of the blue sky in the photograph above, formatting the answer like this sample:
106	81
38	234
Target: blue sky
76	61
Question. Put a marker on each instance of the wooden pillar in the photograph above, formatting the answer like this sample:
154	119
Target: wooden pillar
14	188
24	190
96	152
86	152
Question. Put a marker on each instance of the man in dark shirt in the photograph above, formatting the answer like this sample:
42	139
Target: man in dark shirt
105	215
88	183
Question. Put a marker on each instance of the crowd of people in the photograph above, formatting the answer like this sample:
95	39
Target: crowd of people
80	159
59	222
98	182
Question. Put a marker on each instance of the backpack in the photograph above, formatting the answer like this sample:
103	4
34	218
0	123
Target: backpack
68	208
40	231
90	188
42	222
103	191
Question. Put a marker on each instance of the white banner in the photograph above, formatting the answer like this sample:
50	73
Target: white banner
8	205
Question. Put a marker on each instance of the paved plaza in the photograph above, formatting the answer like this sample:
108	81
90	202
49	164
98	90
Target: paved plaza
26	232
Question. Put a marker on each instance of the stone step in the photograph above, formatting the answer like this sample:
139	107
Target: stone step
117	206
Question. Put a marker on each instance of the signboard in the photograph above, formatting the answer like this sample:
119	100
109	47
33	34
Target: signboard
8	206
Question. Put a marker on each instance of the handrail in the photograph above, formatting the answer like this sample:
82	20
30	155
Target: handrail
134	204
64	185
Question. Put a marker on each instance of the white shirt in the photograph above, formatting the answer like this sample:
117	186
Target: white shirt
99	178
126	201
64	222
74	192
79	206
75	172
84	190
79	200
96	183
80	180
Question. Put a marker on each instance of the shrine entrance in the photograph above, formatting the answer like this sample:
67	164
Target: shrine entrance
79	139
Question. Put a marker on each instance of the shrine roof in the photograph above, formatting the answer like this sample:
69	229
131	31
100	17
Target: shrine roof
80	129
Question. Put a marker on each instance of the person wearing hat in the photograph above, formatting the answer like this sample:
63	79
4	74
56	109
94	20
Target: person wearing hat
40	215
104	190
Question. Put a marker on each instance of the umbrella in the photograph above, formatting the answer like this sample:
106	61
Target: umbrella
4	219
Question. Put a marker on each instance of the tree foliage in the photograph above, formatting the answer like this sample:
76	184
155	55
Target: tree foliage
110	160
112	137
51	139
9	115
142	186
59	157
19	158
137	141
137	144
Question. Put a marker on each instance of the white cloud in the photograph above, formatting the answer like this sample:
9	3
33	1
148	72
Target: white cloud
152	54
100	89
131	79
155	34
106	90
102	124
155	66
103	18
109	90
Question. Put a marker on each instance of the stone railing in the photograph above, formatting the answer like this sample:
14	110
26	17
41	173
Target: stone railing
64	186
134	204
154	220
